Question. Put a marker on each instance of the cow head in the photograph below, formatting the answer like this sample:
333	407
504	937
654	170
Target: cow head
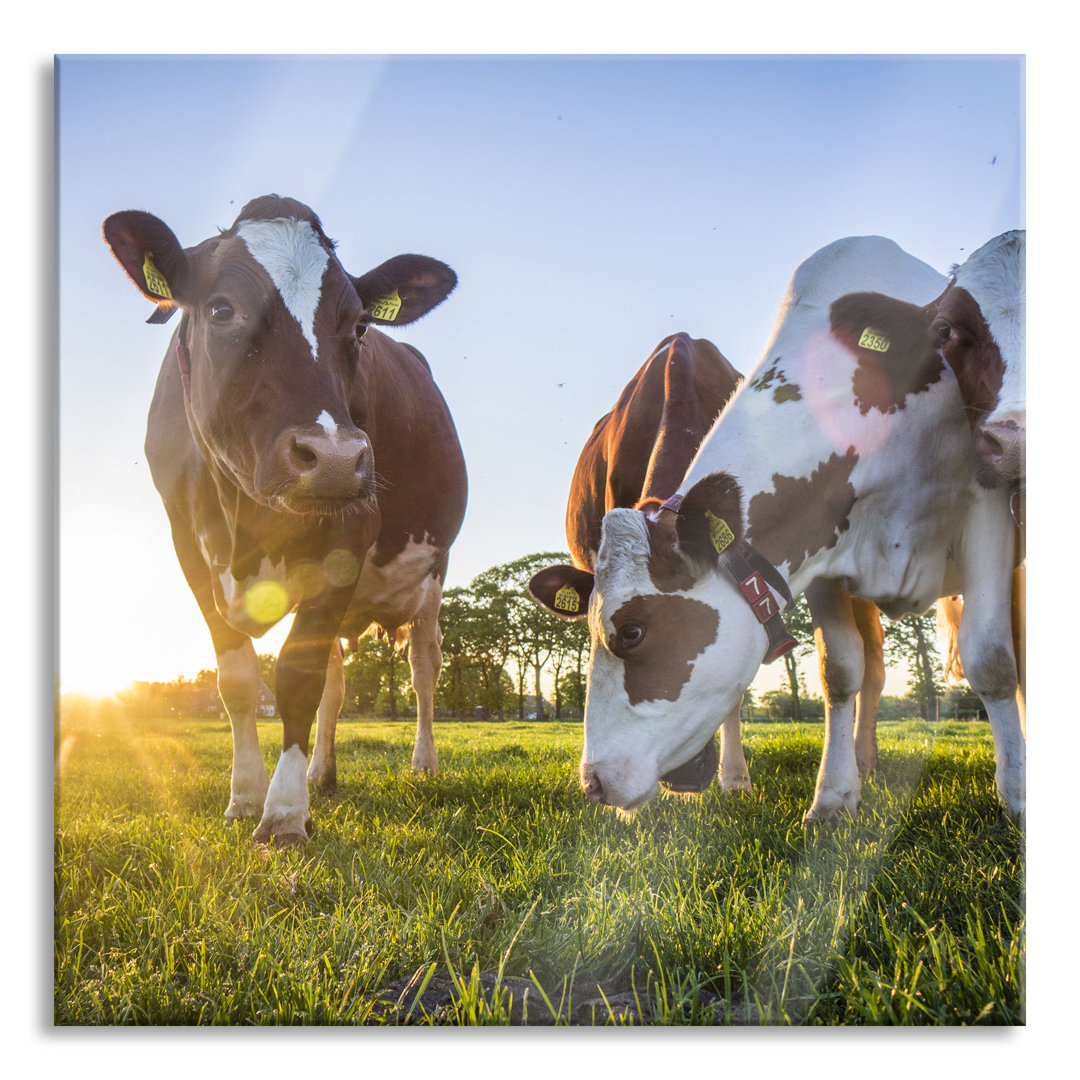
269	346
673	642
980	324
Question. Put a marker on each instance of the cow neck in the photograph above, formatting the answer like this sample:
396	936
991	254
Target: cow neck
183	356
754	575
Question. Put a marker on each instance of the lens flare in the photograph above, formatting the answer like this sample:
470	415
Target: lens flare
266	602
341	568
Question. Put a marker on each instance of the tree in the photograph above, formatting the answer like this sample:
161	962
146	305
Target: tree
376	673
801	627
911	641
532	634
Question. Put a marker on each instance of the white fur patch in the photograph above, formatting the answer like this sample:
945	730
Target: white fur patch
327	423
395	585
292	255
287	807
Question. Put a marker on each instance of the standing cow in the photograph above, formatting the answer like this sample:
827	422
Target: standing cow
307	463
859	480
635	457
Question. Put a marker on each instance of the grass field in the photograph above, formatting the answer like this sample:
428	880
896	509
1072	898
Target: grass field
505	897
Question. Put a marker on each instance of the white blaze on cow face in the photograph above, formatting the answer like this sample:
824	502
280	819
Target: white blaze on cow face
291	253
665	668
327	423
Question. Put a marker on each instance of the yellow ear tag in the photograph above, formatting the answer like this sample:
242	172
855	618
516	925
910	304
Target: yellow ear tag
719	533
155	283
386	307
874	339
567	599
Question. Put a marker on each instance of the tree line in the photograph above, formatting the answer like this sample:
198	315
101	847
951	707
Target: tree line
506	656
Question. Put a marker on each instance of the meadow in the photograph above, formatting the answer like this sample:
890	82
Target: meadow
495	894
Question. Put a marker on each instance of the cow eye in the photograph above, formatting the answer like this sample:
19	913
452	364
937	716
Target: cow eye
942	331
361	330
220	310
630	635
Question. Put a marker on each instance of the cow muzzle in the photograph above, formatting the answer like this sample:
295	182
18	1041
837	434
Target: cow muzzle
696	774
321	473
1000	446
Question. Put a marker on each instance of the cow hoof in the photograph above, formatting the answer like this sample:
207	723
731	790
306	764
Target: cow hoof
738	786
867	765
242	808
287	837
284	830
431	768
324	782
823	814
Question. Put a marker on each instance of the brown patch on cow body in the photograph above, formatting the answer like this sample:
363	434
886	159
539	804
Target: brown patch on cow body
775	380
801	515
676	631
970	350
909	363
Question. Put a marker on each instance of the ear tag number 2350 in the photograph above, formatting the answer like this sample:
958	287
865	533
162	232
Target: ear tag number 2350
874	339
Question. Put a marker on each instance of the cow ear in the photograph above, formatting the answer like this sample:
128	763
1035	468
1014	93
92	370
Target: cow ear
404	288
147	249
709	520
883	327
563	590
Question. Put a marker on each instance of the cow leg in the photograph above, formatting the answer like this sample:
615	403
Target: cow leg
322	772
238	685
425	660
868	621
301	680
734	775
840	653
238	679
984	557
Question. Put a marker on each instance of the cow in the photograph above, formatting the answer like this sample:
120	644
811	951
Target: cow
845	467
635	457
307	463
979	318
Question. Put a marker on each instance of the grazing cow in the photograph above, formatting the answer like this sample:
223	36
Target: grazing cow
307	463
979	319
635	457
859	480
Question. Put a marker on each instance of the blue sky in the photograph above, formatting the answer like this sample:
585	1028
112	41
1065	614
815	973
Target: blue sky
590	206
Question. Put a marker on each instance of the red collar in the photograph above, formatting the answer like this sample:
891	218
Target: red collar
753	575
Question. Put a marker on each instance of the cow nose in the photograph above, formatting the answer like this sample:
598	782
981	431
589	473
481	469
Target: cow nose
590	781
999	446
988	446
329	465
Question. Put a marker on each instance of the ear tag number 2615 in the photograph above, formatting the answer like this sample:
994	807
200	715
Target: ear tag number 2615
568	599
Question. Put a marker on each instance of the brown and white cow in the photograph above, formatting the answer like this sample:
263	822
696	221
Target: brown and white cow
636	457
859	480
307	463
979	319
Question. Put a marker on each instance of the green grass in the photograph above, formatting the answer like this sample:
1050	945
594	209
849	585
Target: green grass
695	910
